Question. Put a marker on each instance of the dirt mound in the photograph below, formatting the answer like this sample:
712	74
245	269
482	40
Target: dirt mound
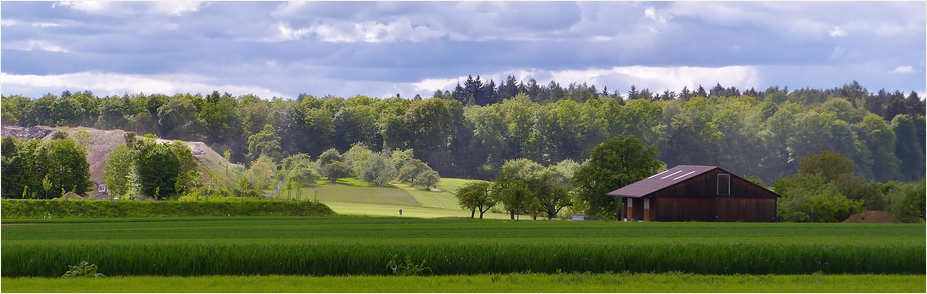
103	142
21	132
71	196
872	216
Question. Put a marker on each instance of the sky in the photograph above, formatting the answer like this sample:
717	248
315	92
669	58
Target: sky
380	49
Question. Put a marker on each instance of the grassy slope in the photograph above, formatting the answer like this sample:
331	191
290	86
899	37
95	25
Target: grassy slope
557	283
354	197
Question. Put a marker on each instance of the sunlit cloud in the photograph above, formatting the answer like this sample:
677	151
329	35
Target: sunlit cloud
903	69
836	32
117	84
34	45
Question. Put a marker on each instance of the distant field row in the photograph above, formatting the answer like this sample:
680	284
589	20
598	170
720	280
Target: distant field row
398	229
364	245
519	283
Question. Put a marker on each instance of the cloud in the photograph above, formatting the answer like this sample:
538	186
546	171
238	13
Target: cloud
434	84
34	45
620	77
388	47
128	8
374	32
176	7
651	13
836	32
903	69
117	84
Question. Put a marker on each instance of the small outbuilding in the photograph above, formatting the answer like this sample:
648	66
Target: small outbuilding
696	193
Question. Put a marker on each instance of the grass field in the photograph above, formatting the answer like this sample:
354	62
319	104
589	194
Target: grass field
321	246
354	197
557	283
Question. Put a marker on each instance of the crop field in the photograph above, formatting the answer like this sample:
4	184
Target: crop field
343	246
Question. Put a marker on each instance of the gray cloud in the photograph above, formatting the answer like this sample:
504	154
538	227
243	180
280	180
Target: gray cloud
376	48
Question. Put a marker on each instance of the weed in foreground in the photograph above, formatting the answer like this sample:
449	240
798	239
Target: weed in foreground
82	270
409	268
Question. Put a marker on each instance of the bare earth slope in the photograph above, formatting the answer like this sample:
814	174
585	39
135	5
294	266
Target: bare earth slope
104	142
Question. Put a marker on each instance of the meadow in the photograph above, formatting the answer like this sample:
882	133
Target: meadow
345	246
350	196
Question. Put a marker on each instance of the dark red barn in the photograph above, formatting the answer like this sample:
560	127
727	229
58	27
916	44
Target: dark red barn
696	193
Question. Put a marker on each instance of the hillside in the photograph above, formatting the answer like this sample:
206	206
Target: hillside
103	142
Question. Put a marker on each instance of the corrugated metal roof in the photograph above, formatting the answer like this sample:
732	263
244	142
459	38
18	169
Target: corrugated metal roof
661	180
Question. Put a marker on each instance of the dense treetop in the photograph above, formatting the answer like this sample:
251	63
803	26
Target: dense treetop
473	130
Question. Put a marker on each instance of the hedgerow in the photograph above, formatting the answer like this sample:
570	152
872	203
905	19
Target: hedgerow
37	209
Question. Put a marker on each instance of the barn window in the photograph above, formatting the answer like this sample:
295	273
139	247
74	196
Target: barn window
724	184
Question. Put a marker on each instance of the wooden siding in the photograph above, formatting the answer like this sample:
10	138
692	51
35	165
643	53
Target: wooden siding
746	210
680	209
697	199
637	209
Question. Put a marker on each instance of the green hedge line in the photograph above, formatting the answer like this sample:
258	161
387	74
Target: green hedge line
36	209
298	258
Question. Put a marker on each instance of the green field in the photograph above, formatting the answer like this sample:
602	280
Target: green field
558	283
353	197
320	246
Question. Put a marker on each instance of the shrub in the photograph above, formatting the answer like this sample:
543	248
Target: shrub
35	209
82	270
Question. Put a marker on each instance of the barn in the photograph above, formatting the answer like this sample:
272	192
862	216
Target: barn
696	193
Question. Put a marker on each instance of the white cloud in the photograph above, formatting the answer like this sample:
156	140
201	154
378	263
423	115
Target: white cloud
651	13
836	32
88	6
130	8
622	77
434	84
13	22
116	84
287	33
176	7
34	45
903	69
373	32
46	24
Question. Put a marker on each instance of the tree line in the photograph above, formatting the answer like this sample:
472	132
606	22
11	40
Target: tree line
825	188
472	131
37	169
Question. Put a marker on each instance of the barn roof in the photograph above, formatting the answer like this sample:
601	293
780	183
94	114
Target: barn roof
661	180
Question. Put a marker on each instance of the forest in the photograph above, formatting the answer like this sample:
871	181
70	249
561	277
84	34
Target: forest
472	131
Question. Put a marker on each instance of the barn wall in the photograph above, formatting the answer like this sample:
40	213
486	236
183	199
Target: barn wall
697	199
746	210
681	209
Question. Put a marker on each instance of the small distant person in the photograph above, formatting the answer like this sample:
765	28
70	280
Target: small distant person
400	212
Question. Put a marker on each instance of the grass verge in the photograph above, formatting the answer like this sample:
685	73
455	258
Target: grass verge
522	283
